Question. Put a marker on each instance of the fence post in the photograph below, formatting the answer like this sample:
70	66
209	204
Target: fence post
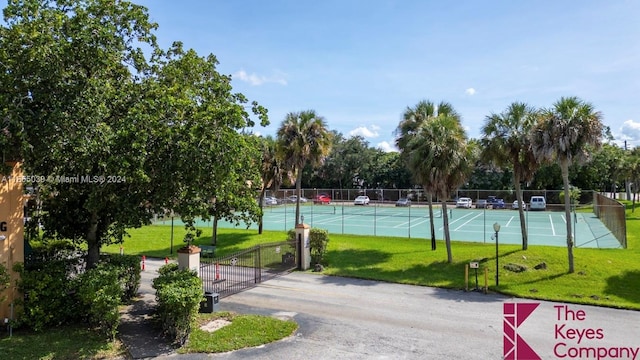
258	266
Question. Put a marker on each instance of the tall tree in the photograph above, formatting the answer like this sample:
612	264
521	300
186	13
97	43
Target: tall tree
562	134
440	158
302	138
633	173
271	172
349	158
506	142
117	137
412	120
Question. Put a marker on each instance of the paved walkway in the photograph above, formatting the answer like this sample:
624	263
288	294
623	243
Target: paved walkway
139	333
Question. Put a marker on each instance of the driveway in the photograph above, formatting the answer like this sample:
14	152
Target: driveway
343	318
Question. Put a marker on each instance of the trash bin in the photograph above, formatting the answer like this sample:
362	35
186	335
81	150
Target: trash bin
210	302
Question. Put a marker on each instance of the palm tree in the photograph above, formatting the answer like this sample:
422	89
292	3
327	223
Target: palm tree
408	129
562	134
271	172
505	142
302	139
439	157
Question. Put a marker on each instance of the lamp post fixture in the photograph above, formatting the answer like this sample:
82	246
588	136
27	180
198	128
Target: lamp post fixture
496	228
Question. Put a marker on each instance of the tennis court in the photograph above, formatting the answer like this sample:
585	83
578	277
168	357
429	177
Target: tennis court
476	225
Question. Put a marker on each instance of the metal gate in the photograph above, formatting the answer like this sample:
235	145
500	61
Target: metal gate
245	269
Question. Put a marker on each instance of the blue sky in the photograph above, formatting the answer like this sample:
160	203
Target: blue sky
361	63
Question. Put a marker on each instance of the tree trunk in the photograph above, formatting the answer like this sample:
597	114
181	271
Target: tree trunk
214	233
447	236
261	204
93	243
564	165
521	205
298	190
431	224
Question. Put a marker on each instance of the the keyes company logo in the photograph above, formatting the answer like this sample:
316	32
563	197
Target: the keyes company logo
572	337
515	348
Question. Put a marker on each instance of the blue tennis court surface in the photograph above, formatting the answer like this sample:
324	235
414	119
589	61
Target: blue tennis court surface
476	225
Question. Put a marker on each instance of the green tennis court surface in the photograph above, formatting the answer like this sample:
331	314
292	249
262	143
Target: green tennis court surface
544	227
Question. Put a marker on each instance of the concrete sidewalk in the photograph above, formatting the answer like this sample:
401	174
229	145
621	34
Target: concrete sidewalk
141	335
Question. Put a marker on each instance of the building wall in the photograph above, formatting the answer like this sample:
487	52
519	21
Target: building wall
12	228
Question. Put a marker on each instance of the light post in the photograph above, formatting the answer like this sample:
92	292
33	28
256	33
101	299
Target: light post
496	228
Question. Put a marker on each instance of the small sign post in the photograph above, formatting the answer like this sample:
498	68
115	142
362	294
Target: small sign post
475	265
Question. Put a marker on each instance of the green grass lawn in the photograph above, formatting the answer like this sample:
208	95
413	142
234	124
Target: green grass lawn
606	277
241	332
62	343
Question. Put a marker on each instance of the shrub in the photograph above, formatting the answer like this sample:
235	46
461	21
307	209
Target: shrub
178	293
574	195
291	235
167	269
57	290
318	240
100	292
49	294
128	267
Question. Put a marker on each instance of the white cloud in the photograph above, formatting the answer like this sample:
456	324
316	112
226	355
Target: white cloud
630	130
386	147
366	132
257	80
470	91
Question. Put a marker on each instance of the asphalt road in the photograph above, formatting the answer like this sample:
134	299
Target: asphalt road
342	318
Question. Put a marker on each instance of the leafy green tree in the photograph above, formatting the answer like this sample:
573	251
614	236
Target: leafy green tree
412	120
349	158
602	170
118	137
548	177
506	143
205	165
633	173
562	134
70	88
303	138
439	158
390	172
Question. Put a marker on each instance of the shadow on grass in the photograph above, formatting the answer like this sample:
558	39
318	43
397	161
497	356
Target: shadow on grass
439	279
352	258
624	286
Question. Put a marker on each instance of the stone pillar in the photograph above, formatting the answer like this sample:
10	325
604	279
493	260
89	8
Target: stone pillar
304	252
12	201
189	258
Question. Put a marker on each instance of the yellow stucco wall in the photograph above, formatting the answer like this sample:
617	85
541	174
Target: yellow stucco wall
12	228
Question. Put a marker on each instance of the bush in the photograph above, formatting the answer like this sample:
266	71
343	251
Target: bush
574	195
49	295
128	267
178	293
57	291
318	240
291	235
100	292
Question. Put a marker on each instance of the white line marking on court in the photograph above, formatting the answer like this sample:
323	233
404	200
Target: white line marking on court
466	222
553	230
414	224
509	222
455	221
